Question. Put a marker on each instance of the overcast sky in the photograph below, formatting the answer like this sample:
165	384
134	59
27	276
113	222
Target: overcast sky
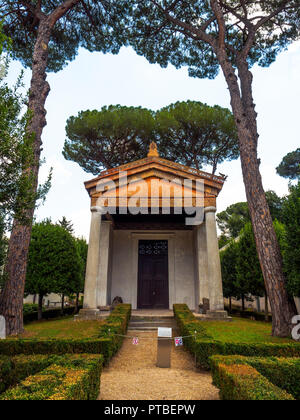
94	80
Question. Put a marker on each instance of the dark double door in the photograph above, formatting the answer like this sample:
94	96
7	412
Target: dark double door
153	275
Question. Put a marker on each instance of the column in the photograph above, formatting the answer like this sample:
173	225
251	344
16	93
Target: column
214	266
104	269
202	285
90	309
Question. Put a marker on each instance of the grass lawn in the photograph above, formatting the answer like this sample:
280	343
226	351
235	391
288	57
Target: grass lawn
239	330
243	330
62	328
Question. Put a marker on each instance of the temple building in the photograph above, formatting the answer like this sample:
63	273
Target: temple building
153	238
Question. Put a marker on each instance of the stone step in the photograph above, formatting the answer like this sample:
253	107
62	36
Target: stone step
151	318
142	328
142	324
143	321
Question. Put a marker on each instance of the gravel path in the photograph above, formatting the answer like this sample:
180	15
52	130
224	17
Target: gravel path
133	375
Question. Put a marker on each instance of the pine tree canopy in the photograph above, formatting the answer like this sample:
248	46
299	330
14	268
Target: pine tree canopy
97	25
190	133
186	33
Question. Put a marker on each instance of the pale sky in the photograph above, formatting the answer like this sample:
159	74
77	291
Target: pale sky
94	80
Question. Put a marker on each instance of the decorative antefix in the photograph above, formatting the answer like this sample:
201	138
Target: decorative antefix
153	237
2	328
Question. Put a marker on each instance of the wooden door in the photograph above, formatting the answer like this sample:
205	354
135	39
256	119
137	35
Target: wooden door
153	275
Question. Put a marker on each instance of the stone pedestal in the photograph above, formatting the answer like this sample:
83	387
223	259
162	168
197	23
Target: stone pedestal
88	315
217	314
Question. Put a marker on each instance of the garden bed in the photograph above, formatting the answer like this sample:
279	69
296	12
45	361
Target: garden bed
254	378
206	344
68	377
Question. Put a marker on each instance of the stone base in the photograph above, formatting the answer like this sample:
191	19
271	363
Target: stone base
88	315
214	316
217	314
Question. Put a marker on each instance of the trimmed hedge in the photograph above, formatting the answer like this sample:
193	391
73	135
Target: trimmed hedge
206	346
14	369
107	343
253	378
30	316
69	377
248	313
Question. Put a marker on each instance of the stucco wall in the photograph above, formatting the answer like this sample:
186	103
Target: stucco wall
181	265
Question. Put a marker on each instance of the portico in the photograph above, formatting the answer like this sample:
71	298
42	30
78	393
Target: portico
145	246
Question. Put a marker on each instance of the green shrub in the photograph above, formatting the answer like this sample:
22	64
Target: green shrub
69	377
282	372
253	378
14	369
29	308
115	327
107	344
205	346
48	314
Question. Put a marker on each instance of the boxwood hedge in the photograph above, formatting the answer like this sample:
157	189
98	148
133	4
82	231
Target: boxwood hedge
205	346
107	343
69	377
254	378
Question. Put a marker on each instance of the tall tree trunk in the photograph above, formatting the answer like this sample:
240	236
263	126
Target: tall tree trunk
11	304
40	308
230	304
283	309
77	303
258	304
62	303
243	303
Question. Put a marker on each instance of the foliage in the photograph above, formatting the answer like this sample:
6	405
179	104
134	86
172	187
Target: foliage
195	134
94	25
108	138
66	224
54	313
241	270
232	220
71	377
275	205
14	369
289	167
82	251
187	33
239	379
228	259
190	133
207	345
291	217
106	344
53	264
29	308
249	279
15	153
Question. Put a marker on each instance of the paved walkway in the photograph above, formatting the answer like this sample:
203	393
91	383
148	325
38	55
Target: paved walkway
133	375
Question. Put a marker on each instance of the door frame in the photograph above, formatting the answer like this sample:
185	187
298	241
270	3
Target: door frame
159	235
152	258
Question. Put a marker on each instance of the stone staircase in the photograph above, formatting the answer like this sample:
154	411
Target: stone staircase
151	323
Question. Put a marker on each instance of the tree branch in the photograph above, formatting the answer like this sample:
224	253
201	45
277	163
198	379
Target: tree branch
61	10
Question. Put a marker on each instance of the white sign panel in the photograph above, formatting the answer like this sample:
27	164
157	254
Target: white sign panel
164	332
2	328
